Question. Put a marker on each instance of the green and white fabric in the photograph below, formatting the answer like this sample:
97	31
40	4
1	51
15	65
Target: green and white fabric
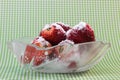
25	18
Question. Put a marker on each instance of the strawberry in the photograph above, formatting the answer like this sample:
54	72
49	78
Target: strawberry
39	57
28	55
64	26
41	42
53	33
44	55
81	33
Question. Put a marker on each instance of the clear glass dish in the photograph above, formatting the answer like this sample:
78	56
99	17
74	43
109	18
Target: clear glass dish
71	58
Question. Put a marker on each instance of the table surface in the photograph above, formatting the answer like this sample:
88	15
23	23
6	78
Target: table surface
25	18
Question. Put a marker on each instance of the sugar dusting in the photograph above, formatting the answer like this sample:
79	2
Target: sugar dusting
42	41
46	27
80	26
58	27
68	32
66	42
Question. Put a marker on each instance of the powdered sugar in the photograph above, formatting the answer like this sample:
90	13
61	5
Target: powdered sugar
46	53
68	32
46	27
66	42
56	27
80	26
42	41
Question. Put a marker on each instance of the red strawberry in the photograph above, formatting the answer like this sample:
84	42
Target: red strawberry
81	33
28	55
39	57
44	55
41	42
53	33
64	26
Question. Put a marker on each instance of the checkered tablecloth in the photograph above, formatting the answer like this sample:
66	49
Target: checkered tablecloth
25	18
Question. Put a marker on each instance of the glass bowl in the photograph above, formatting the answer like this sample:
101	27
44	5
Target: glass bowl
65	58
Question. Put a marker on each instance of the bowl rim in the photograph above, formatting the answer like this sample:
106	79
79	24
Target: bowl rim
38	48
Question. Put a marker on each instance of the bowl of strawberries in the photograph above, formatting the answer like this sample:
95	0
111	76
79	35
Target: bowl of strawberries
60	48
